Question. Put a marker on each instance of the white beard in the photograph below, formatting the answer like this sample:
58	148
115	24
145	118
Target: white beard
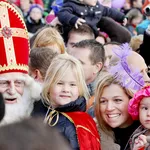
24	106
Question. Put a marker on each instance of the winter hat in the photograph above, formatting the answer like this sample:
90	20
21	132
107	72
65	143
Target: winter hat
35	6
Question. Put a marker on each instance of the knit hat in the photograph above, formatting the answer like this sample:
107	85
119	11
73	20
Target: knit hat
133	107
14	42
35	6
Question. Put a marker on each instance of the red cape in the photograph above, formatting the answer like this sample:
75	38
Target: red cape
87	134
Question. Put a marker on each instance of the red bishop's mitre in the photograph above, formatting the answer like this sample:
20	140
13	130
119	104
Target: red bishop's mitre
14	41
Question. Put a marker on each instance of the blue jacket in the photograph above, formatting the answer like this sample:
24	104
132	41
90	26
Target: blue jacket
73	9
65	126
142	26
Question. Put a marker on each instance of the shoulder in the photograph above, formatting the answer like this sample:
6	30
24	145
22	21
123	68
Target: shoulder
107	142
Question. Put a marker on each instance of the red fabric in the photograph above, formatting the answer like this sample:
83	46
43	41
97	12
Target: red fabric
21	45
87	140
143	148
40	2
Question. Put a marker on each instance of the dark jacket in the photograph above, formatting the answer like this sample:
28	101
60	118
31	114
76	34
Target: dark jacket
122	135
65	126
39	109
2	107
73	9
115	31
144	49
33	26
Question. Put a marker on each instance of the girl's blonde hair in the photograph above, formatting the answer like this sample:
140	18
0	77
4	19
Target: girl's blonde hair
59	66
49	36
106	80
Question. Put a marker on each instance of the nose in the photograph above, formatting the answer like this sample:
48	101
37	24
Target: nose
110	106
148	113
65	88
11	88
146	77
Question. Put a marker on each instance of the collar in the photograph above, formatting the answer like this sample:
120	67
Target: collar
77	105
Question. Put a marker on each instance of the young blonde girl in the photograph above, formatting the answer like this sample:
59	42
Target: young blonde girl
66	94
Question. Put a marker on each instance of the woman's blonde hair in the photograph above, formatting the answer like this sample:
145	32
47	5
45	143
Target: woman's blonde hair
59	66
49	36
106	80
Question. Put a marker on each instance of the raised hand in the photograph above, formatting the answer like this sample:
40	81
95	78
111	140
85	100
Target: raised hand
80	21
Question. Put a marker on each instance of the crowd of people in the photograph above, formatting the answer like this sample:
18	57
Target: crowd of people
74	74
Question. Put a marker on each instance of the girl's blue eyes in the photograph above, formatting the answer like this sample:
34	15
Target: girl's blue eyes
60	83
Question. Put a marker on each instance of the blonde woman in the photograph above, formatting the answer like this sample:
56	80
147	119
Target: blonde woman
49	37
66	93
111	110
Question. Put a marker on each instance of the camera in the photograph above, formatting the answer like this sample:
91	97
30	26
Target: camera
147	10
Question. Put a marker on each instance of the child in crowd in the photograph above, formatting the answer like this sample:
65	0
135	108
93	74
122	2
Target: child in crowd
134	18
146	22
48	37
139	108
65	92
35	18
77	12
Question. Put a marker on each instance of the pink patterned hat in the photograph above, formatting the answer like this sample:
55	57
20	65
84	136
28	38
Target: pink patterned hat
133	107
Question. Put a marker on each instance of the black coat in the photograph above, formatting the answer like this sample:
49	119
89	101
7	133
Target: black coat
39	109
122	135
65	126
73	9
33	26
145	51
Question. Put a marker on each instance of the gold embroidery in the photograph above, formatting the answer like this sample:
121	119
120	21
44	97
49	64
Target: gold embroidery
17	32
16	12
80	126
8	42
67	117
14	66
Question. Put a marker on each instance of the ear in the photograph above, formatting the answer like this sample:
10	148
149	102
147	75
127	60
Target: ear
98	67
37	75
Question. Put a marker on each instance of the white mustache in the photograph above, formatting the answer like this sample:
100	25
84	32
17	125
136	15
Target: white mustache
7	96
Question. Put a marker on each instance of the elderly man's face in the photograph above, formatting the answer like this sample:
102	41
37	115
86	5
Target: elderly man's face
12	86
111	58
137	62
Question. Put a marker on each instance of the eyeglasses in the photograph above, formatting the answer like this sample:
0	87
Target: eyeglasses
6	83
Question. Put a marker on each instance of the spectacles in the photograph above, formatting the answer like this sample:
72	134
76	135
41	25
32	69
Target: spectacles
6	83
